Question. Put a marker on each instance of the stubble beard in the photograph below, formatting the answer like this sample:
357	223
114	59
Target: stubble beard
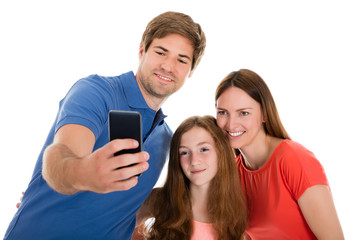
152	90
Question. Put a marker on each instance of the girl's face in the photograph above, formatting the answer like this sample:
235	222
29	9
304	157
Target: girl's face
198	157
240	116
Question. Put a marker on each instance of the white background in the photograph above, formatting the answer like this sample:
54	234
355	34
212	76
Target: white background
307	51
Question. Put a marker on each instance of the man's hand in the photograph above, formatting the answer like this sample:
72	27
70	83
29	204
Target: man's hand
102	172
70	166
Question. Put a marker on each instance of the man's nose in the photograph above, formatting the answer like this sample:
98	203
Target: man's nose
169	64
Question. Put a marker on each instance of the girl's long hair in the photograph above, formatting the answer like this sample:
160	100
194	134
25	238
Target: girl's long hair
171	206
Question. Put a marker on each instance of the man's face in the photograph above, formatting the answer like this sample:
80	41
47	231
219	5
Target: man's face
164	67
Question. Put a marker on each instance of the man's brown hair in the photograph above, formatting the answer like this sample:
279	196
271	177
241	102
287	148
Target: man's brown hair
176	23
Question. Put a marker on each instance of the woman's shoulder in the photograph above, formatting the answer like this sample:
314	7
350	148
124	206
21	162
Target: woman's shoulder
291	148
293	155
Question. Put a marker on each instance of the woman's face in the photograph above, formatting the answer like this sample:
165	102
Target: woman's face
198	157
240	117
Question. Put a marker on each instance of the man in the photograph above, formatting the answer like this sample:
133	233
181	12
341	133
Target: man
77	190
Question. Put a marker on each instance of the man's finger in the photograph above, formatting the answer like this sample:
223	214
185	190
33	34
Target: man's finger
125	184
127	172
117	145
128	159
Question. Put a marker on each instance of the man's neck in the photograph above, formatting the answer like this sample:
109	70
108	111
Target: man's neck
154	103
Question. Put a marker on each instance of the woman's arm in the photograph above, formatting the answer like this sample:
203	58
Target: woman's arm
318	208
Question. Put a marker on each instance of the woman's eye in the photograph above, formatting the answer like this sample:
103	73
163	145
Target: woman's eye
244	113
221	112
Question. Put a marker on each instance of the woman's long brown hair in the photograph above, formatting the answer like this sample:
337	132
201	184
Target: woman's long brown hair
170	205
255	86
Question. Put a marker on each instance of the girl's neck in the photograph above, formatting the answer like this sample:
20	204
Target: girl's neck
199	202
259	152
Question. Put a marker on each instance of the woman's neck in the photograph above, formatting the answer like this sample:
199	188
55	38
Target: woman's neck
259	152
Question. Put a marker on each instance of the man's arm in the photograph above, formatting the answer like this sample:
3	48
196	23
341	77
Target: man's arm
318	208
70	166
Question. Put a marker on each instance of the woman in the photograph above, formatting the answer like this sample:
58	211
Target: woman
285	185
200	198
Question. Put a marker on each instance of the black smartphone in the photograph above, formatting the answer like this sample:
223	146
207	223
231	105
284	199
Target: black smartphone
125	124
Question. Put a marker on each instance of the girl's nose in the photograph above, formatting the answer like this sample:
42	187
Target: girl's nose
195	159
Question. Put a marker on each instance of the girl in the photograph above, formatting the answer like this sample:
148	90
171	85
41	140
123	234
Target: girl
202	197
285	185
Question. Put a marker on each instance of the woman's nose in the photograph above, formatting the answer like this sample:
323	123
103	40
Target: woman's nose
232	123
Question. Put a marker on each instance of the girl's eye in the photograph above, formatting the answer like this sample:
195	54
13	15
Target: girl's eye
183	153
204	149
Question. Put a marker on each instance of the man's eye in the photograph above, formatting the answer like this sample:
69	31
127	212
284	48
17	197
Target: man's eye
182	61
160	53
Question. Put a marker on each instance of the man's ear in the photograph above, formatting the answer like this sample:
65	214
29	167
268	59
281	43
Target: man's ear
141	51
190	74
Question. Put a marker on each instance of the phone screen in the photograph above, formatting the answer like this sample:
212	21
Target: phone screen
125	124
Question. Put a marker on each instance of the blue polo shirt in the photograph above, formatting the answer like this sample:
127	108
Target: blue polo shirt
46	214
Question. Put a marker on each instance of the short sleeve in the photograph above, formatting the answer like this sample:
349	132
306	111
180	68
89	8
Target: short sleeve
300	169
86	104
